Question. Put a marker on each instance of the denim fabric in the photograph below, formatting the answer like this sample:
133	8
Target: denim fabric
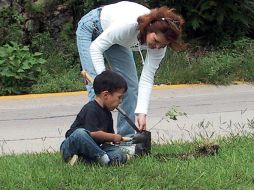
120	60
88	27
82	144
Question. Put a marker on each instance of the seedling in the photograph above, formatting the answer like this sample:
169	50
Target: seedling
173	113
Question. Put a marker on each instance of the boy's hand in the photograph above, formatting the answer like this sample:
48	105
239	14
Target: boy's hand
116	138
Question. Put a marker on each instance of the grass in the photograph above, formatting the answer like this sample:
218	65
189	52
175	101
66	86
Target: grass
231	168
222	66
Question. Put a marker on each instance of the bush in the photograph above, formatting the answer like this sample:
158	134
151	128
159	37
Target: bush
67	81
19	68
11	23
244	48
218	68
214	21
175	68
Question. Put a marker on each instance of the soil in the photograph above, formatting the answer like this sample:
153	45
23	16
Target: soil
209	149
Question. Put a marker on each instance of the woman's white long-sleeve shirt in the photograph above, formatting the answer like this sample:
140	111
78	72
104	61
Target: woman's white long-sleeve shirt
119	24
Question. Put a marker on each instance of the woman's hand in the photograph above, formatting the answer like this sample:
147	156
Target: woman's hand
141	121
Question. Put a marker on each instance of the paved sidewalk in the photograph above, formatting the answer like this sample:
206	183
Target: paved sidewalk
35	123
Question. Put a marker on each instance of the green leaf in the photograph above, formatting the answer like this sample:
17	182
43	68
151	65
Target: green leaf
25	65
37	54
20	70
42	61
25	48
3	53
2	62
7	73
195	23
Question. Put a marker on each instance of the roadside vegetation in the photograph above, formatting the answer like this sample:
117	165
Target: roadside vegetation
231	168
38	50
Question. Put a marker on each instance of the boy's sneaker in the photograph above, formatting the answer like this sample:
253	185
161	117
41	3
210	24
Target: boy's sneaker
104	160
129	150
73	160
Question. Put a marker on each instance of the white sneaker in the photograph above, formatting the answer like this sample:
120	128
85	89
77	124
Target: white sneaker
104	160
128	149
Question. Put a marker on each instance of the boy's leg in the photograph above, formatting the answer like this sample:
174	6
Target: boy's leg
116	155
121	61
82	144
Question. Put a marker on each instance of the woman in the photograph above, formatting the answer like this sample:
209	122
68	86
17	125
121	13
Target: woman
113	32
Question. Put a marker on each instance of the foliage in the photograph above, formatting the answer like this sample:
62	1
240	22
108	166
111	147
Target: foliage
176	68
43	42
215	21
215	66
62	63
11	23
19	68
68	81
173	113
225	66
244	49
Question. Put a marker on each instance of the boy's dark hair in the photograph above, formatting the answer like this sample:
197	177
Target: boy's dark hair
109	81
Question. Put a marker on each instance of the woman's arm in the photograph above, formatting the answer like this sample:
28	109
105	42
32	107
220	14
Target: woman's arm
152	62
124	34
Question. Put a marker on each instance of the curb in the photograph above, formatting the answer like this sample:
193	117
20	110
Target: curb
30	96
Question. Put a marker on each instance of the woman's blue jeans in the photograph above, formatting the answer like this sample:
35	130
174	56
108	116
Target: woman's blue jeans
82	144
119	59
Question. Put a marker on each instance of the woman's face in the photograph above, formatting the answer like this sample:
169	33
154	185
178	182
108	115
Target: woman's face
156	41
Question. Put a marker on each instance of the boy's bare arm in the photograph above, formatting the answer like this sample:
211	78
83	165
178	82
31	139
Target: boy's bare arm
106	137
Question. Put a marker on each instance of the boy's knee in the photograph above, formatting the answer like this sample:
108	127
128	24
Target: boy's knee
71	144
80	134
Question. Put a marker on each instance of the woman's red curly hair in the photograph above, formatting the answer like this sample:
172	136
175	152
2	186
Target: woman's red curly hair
164	20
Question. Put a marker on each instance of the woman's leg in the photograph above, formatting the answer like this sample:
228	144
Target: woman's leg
121	60
85	33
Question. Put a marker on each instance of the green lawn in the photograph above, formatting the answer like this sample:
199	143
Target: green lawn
231	168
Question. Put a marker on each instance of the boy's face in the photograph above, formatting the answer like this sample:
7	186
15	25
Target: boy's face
112	100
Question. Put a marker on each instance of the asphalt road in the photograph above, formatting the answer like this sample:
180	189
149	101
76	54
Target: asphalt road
35	123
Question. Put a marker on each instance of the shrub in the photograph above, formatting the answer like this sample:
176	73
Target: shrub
218	68
11	23
175	68
19	68
214	21
69	80
244	48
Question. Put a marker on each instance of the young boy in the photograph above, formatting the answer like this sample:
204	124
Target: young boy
90	135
